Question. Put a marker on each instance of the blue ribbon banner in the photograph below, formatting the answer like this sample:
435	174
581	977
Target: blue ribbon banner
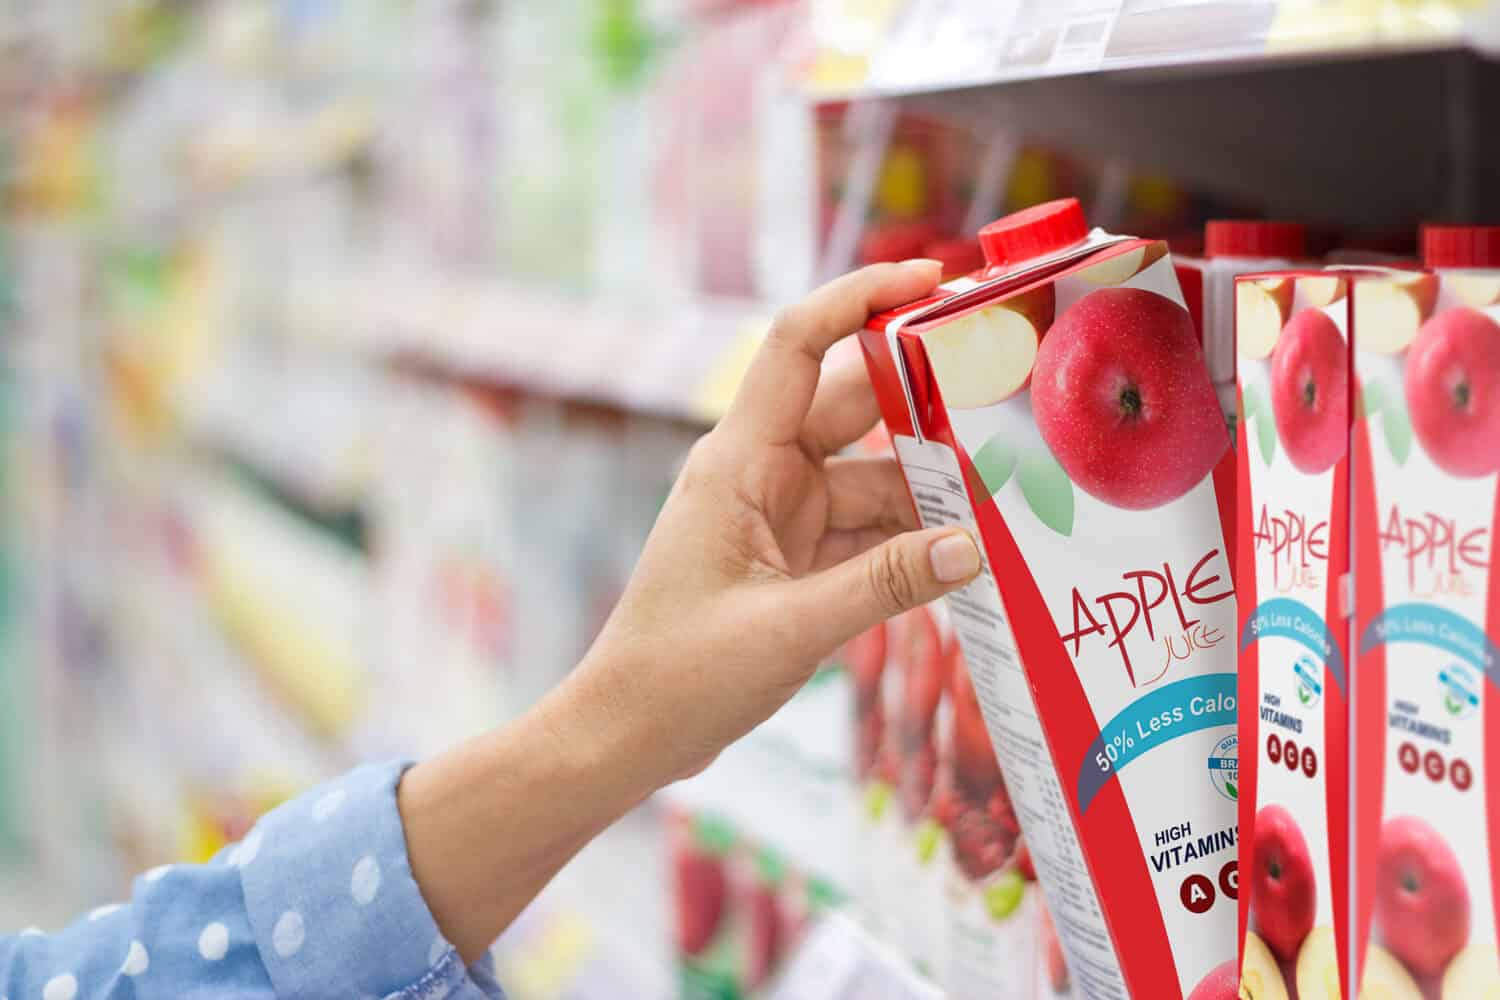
1431	625
1179	708
1289	619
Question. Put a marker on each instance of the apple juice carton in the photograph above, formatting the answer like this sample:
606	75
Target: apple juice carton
1058	406
1293	378
993	904
1231	247
1427	621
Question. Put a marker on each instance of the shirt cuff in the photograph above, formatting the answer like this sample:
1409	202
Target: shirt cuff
333	904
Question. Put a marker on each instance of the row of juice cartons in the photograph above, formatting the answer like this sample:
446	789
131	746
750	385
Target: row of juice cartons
1235	498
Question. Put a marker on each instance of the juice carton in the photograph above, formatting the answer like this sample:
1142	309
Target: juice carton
993	904
1230	247
1427	622
1292	570
1058	406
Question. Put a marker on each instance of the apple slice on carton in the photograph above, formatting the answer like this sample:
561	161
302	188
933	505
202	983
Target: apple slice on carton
1475	973
1392	310
1260	975
1260	309
1477	290
1318	966
1324	290
1384	978
986	357
1122	267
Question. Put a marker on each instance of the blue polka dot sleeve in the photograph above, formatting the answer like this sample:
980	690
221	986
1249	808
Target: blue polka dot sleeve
318	900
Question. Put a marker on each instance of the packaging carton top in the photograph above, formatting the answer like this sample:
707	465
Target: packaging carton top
1033	232
1251	238
1461	246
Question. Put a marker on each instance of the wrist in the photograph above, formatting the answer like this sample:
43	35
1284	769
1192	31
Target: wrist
616	737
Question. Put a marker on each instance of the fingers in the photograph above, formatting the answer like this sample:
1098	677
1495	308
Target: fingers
837	546
774	398
908	570
867	493
843	409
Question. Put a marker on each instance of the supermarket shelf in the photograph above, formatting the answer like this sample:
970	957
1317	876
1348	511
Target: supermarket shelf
1379	142
680	361
932	45
290	597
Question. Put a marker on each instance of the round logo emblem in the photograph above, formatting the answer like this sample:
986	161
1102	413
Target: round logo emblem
1460	686
1309	679
1224	767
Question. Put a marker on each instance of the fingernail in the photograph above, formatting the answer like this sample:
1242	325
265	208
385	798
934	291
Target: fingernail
954	557
921	263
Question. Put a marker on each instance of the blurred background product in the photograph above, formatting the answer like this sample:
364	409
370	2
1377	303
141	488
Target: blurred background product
350	347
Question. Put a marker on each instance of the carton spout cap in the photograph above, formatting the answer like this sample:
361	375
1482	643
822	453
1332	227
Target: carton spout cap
1033	232
1461	246
1252	238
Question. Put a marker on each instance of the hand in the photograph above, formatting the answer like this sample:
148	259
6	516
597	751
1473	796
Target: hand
770	553
773	550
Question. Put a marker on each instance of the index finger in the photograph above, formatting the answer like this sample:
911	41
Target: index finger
774	397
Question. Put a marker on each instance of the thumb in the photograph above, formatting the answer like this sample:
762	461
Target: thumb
902	573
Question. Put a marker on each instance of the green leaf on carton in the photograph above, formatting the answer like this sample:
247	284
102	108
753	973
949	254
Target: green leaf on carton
1232	789
1369	400
877	800
1047	489
1250	401
929	836
1265	436
995	462
1397	426
1003	897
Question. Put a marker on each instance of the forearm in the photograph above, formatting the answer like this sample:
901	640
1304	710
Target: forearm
489	823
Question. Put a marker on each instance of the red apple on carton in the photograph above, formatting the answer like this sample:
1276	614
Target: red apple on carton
1221	983
1453	391
1122	267
700	890
975	767
1260	310
865	658
1310	391
1391	310
1283	891
1421	896
1123	399
765	935
986	356
1024	864
923	659
980	845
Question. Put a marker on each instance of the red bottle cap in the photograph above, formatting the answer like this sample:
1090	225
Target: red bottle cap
895	241
1461	246
1247	238
1033	232
958	255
